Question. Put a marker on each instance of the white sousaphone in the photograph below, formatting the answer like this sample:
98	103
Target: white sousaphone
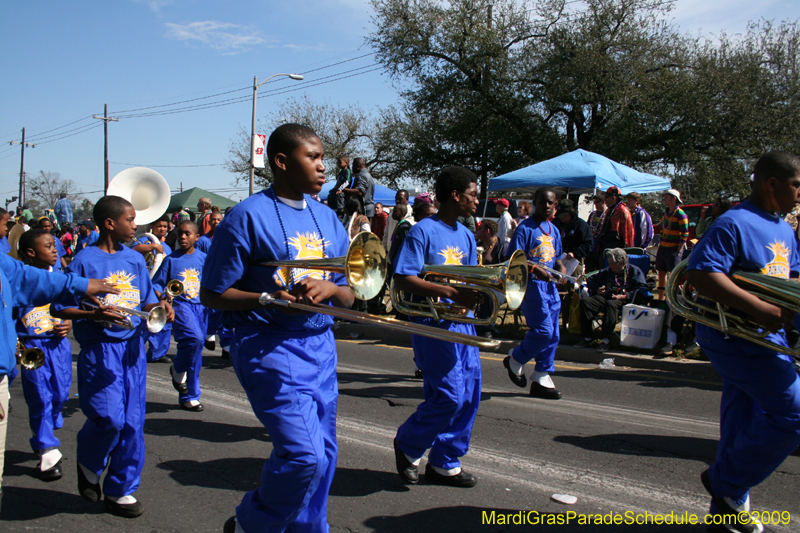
148	191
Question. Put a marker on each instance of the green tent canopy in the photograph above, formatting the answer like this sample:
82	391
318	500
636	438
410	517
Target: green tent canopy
188	199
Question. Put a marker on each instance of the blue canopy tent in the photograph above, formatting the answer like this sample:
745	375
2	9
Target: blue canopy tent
578	172
383	195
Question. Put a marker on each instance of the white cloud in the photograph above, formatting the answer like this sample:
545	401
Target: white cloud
155	5
224	36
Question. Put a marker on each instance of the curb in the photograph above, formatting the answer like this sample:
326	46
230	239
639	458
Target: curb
368	334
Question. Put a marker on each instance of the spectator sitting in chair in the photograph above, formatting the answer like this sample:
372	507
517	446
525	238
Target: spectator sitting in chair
610	289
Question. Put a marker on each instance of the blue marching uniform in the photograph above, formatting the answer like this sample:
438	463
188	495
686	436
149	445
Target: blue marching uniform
285	363
189	327
541	242
46	389
214	316
20	286
760	406
157	343
88	240
5	246
451	372
112	372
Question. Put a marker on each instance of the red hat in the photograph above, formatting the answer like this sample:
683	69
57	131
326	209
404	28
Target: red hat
614	190
502	201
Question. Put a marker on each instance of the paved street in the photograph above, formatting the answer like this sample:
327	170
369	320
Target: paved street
621	441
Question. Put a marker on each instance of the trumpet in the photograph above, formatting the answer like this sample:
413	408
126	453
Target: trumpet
173	289
155	320
509	278
29	358
777	291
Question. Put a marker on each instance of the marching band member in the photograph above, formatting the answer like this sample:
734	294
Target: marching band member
186	265
159	342
451	372
285	361
112	367
541	242
23	286
214	316
46	389
760	406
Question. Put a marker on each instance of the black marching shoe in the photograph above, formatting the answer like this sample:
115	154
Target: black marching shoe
738	518
210	345
183	388
519	381
164	359
88	491
538	391
407	470
125	510
51	474
226	354
230	525
193	408
462	479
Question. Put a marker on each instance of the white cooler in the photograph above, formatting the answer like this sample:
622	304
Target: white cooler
641	326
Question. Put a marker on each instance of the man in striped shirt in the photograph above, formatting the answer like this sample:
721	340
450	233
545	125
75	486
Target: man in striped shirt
674	234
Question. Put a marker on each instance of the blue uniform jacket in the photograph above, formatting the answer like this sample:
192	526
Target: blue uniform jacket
21	285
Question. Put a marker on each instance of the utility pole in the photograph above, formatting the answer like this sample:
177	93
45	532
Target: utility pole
105	118
22	144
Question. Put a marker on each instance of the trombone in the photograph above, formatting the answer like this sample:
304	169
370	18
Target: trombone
364	267
29	358
509	278
155	320
777	291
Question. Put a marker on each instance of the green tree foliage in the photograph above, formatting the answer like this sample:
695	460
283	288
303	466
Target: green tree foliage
499	84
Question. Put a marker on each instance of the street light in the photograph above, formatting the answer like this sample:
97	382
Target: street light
256	85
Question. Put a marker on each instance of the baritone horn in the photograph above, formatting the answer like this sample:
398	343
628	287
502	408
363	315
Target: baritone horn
509	278
29	358
364	267
778	291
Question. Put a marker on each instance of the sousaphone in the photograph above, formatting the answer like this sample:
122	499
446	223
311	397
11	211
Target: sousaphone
146	189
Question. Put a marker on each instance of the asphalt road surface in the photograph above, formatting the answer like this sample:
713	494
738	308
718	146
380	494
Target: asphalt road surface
621	441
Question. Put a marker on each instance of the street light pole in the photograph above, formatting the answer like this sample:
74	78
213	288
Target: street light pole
22	144
256	85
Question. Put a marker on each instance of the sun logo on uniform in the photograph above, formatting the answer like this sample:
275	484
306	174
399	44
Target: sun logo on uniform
545	252
452	255
129	295
39	320
191	283
779	266
307	246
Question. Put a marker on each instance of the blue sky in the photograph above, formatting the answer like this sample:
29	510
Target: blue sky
62	61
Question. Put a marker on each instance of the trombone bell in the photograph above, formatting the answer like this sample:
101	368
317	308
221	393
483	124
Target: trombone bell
364	266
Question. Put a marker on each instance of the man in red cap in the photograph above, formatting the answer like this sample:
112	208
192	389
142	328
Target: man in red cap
505	226
617	231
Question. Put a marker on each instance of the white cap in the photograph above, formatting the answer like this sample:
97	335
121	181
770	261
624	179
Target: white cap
676	193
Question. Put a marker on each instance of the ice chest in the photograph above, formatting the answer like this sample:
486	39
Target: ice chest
641	326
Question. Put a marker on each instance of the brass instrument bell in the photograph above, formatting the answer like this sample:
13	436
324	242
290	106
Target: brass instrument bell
29	358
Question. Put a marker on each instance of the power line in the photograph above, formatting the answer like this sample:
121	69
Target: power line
167	166
87	128
37	135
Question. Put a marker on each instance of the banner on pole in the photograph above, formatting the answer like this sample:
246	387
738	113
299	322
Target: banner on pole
258	150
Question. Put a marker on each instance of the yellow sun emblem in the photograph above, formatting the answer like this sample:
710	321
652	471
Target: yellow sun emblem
191	283
39	320
129	297
452	255
307	246
545	252
779	266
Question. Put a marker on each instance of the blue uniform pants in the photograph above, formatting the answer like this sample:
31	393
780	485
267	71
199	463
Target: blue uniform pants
159	343
759	412
451	375
290	380
46	390
112	381
189	329
215	327
541	308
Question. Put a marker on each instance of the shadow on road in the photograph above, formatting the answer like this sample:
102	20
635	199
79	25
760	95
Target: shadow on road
648	378
468	518
384	386
231	473
22	504
352	483
646	445
213	432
